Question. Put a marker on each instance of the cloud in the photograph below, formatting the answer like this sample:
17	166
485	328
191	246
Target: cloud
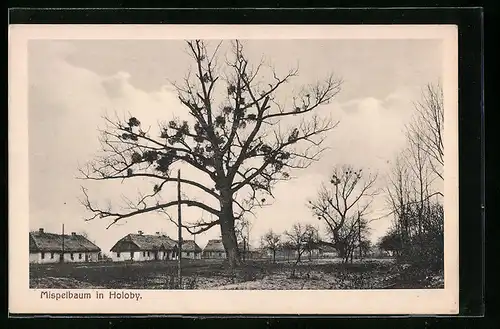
372	125
115	86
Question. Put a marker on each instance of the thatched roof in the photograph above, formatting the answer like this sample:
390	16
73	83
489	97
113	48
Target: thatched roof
190	245
144	242
214	245
51	242
148	242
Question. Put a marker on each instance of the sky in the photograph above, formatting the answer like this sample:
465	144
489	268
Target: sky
73	83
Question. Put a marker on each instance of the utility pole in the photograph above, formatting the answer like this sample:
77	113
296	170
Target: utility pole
179	226
62	255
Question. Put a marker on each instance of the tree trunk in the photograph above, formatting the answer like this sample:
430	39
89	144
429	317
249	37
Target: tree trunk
230	244
274	256
228	232
297	261
299	254
342	250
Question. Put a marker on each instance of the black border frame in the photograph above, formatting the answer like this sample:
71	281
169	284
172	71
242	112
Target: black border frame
471	111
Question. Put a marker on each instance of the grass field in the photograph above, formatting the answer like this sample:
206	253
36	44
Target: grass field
214	274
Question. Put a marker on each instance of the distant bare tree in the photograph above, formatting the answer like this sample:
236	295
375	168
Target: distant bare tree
242	229
300	238
271	241
399	199
342	202
287	248
234	138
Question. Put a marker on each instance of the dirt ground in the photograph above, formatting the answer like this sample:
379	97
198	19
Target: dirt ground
214	274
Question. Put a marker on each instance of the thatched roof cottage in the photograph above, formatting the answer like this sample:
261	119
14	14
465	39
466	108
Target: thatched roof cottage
214	249
47	247
143	247
191	250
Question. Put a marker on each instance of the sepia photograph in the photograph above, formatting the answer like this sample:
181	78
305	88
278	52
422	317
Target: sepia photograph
236	161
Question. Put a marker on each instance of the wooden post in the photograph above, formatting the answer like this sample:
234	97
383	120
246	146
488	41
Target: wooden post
179	227
62	256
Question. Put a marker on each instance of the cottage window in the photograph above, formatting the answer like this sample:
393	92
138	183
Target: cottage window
148	253
43	255
188	253
144	254
79	256
118	254
131	255
72	256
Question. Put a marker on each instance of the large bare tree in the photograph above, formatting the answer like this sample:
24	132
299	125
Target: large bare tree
233	135
342	202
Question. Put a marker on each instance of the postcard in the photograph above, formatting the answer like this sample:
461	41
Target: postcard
233	169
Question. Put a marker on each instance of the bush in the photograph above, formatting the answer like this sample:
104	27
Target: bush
419	241
424	251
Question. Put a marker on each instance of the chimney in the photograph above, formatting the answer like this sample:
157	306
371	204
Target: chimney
140	232
73	233
40	230
157	233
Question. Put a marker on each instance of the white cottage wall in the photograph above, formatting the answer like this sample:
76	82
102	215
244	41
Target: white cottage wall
54	257
141	256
